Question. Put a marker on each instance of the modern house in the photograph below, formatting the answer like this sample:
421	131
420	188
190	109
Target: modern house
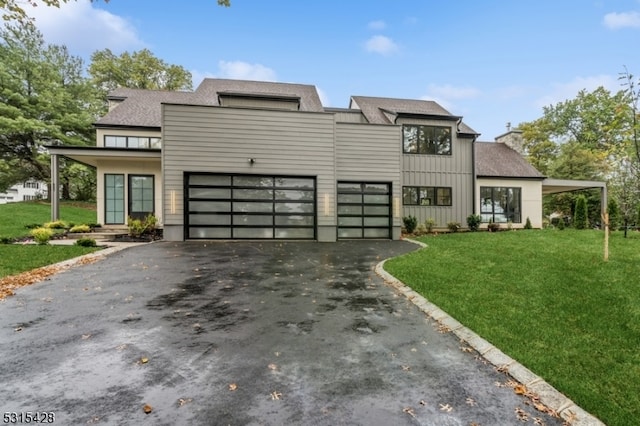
25	191
258	160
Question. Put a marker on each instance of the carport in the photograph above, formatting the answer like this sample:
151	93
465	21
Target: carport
557	186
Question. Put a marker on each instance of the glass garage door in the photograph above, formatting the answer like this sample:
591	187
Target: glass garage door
250	207
364	210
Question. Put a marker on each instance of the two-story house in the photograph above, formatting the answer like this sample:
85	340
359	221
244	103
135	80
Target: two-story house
258	160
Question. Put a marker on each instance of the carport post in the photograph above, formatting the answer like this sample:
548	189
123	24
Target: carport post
55	197
603	203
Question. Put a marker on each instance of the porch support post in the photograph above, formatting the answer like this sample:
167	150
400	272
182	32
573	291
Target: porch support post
55	188
603	203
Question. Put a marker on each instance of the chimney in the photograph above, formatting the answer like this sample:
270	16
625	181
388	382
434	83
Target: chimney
513	139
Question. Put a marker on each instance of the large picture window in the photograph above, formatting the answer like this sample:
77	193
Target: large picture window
131	142
500	204
426	196
429	140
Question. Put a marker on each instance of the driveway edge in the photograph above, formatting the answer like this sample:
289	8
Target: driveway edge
549	396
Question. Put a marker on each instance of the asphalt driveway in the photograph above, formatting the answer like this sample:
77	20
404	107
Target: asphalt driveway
242	333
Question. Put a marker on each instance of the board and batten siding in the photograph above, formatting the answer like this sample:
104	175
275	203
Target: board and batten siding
454	171
371	153
222	140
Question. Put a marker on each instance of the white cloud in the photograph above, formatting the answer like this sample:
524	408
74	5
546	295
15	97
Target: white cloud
245	71
381	44
377	25
616	21
564	91
84	28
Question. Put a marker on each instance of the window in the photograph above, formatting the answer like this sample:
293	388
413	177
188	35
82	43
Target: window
114	198
31	184
131	142
426	196
141	197
500	205
429	140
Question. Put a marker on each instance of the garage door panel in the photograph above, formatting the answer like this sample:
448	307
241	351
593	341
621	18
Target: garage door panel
250	207
364	210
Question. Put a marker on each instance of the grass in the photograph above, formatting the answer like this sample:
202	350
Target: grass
15	216
15	259
547	299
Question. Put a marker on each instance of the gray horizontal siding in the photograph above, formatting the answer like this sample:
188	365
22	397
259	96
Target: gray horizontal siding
367	152
221	140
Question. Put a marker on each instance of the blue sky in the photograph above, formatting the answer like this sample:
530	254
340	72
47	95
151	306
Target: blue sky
491	61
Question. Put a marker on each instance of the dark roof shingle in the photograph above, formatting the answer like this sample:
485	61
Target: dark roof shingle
494	159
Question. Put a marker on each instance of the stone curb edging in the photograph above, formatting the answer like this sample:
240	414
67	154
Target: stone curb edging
95	256
549	396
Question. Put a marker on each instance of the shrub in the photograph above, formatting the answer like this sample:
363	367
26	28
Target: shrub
140	227
473	222
80	229
410	223
429	224
453	226
493	227
420	229
86	242
560	224
6	240
527	224
32	226
58	224
581	214
42	235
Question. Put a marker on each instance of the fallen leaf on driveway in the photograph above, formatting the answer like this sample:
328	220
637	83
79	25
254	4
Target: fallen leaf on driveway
409	411
144	360
446	407
233	387
275	395
147	408
272	366
183	401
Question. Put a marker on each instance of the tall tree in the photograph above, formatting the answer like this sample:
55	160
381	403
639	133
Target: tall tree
44	100
137	70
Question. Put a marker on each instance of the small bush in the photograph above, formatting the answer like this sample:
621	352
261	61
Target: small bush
473	222
86	242
42	235
410	223
493	227
560	224
140	227
58	224
32	226
453	226
527	224
614	214
420	229
429	224
80	229
581	215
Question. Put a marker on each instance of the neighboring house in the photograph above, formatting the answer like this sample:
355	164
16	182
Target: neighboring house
26	191
248	160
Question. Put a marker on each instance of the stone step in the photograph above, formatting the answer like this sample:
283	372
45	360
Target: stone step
99	235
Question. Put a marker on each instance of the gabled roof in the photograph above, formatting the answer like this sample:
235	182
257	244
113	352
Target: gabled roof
494	159
386	110
143	108
211	88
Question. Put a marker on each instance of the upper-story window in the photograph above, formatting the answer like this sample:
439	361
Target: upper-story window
131	142
428	140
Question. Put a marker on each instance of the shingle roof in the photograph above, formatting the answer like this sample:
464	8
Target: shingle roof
383	110
142	108
494	159
308	95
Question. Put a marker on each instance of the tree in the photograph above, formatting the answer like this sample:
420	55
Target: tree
580	219
44	100
614	214
13	10
137	70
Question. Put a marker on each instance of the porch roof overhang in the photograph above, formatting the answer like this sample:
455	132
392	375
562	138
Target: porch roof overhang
555	186
91	155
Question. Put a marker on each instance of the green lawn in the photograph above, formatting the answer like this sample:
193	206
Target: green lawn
547	299
16	258
15	216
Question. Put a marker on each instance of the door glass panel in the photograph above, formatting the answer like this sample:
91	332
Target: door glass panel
209	193
376	233
253	220
295	220
209	206
350	198
357	210
294	207
114	198
376	221
209	232
295	183
350	221
253	194
376	210
349	233
210	219
257	181
294	233
210	180
292	194
349	187
252	232
376	199
252	207
382	188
